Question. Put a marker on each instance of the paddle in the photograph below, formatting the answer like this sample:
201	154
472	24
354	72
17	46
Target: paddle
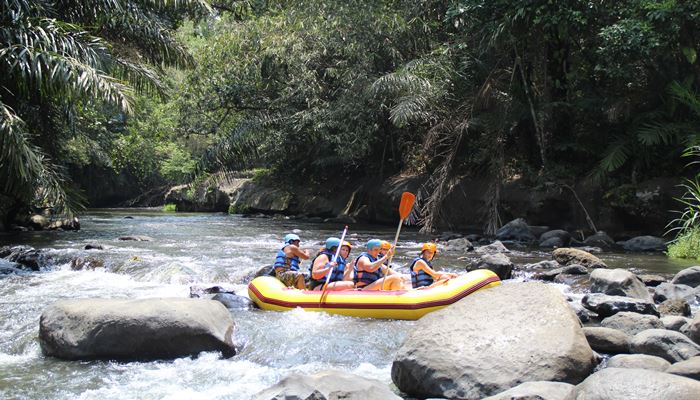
405	207
335	257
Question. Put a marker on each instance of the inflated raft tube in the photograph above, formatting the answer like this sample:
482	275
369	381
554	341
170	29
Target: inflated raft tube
270	294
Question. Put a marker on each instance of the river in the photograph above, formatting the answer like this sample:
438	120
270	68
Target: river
203	249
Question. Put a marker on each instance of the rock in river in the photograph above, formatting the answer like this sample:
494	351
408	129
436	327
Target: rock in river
142	329
670	345
689	276
514	333
328	385
605	305
618	282
567	255
627	384
641	361
538	390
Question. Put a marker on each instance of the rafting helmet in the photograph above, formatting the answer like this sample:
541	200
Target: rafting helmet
385	245
372	243
346	243
290	238
432	247
332	242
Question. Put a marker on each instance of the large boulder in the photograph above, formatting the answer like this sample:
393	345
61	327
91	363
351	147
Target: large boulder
627	384
498	263
642	361
607	340
689	368
694	329
689	276
652	279
599	239
675	307
568	255
326	386
573	269
143	329
460	244
670	291
448	355
670	345
674	322
632	323
516	230
560	237
538	390
645	244
618	282
605	305
495	247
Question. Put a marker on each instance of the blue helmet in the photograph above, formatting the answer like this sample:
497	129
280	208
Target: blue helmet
290	238
332	242
372	243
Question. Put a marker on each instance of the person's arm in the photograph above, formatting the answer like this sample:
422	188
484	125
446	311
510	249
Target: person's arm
321	267
421	265
349	273
293	250
363	264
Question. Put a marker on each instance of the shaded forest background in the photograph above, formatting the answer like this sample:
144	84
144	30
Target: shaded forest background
101	101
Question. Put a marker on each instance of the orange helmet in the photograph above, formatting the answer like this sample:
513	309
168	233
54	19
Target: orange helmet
385	245
346	243
429	246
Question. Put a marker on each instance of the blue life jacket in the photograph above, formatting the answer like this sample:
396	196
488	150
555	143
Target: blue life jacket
364	278
282	261
421	278
336	274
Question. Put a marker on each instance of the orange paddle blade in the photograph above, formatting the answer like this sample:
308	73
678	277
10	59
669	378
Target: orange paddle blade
407	200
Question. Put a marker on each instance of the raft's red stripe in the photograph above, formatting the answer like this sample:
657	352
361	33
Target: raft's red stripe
374	306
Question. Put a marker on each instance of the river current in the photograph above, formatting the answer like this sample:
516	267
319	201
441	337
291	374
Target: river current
204	250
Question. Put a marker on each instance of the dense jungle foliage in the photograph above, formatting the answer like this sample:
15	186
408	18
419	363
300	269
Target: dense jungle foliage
152	93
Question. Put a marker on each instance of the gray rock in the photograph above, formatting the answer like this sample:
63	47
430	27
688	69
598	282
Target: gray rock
689	368
546	264
599	239
538	390
143	329
674	322
328	385
94	246
498	263
234	302
640	361
674	307
573	269
460	244
652	280
607	340
689	276
645	244
563	236
605	305
571	279
137	238
552	243
669	345
39	222
495	247
545	342
568	255
618	282
693	329
583	314
516	230
641	384
632	323
669	291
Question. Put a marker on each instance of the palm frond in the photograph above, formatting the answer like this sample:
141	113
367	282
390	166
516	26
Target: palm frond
20	161
686	96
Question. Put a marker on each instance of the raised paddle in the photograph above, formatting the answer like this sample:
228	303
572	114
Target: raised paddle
335	257
405	207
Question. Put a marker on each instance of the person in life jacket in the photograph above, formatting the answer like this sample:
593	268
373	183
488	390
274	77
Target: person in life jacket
323	264
383	249
288	261
422	272
370	269
345	250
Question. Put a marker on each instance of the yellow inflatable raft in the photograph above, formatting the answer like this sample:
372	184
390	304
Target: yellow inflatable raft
270	294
